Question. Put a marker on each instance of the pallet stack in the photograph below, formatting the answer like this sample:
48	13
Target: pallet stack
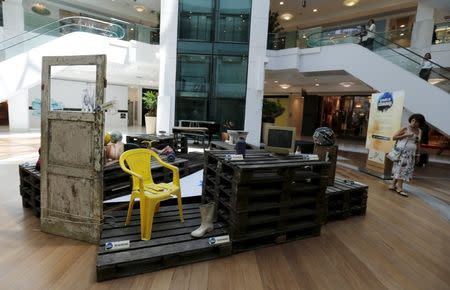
346	198
115	182
30	187
265	199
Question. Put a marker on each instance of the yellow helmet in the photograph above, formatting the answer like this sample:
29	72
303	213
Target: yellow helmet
107	138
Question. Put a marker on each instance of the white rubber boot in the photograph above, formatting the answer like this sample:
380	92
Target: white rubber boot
207	215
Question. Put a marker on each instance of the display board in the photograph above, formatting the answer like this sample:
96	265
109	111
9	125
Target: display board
384	121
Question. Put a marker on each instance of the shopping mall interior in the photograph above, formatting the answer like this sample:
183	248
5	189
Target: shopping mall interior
272	128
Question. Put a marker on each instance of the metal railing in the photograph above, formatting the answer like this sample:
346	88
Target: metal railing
33	38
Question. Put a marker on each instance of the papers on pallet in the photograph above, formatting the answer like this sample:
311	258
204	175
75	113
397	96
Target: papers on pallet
191	185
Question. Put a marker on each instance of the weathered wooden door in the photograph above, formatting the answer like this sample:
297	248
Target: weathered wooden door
72	158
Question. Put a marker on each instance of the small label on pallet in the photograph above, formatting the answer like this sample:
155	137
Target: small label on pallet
119	245
219	240
234	157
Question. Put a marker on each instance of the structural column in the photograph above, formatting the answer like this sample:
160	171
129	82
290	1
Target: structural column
167	66
255	76
423	27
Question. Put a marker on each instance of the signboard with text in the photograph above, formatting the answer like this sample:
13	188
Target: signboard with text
384	121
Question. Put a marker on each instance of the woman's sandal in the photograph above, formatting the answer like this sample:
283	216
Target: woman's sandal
401	192
392	187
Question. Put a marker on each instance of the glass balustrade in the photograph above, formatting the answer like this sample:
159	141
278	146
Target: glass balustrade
391	45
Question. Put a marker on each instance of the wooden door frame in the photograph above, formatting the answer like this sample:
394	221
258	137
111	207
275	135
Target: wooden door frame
66	223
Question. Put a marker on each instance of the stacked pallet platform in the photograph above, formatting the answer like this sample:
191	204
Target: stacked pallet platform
115	182
265	199
170	245
346	198
30	187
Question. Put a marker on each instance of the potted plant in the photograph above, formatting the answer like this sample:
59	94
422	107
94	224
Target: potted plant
271	110
150	100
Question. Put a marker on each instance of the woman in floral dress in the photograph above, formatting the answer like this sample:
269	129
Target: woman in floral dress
408	140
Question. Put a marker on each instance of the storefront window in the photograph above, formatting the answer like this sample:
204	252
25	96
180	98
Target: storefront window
234	20
196	20
347	116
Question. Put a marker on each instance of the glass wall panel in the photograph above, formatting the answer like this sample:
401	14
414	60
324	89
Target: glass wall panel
196	20
228	110
234	20
193	76
191	109
230	77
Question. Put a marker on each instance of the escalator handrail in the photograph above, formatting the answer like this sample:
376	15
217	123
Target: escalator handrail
65	19
441	75
409	50
57	28
388	40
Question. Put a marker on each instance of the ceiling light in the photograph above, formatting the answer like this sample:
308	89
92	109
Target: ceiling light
139	8
275	82
286	16
285	86
315	10
350	3
40	9
317	85
304	36
402	34
281	3
403	25
346	84
131	28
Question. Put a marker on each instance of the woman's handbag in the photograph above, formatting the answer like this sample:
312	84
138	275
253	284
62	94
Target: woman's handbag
395	154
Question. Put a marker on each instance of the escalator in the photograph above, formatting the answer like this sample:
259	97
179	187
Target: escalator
389	67
20	56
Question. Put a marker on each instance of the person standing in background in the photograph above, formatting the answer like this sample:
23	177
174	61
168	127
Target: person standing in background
408	140
371	29
426	68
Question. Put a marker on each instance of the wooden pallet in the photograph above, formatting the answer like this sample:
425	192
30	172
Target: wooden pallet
30	187
171	244
264	194
115	182
345	199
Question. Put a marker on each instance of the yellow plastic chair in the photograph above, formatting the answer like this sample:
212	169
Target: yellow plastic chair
137	163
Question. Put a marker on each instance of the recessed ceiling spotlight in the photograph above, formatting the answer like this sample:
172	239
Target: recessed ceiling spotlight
346	84
402	34
403	25
286	16
281	3
285	86
317	85
40	9
139	8
275	82
350	3
315	10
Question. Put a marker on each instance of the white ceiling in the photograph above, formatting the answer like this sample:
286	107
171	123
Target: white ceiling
333	11
329	83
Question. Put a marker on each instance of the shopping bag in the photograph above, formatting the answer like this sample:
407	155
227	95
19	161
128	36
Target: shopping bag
394	155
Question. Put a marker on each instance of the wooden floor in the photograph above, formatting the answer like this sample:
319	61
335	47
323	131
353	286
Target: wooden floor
402	243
